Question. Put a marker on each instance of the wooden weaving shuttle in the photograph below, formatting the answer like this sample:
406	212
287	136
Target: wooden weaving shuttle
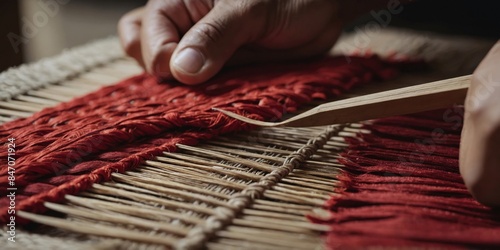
418	98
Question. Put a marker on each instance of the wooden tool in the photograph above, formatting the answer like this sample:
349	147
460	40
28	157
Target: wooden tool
418	98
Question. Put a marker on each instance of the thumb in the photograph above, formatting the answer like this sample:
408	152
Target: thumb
209	44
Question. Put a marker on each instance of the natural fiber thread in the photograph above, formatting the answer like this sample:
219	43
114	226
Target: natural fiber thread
65	149
223	216
403	189
17	81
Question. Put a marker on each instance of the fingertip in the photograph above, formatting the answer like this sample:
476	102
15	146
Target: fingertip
485	191
130	22
189	66
478	162
133	49
160	64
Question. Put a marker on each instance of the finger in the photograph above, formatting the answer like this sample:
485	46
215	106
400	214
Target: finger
319	45
479	158
162	25
129	31
208	45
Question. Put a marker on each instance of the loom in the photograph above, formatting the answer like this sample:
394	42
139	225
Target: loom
262	188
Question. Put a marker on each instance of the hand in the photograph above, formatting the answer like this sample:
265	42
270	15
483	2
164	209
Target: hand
480	145
192	39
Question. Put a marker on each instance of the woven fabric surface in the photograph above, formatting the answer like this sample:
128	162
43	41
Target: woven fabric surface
65	149
403	189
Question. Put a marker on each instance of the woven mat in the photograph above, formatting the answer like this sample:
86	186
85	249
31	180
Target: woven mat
424	46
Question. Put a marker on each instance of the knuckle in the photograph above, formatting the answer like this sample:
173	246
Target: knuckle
153	63
483	192
130	17
210	31
122	21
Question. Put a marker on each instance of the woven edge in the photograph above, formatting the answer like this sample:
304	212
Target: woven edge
53	70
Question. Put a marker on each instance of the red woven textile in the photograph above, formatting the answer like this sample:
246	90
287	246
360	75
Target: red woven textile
403	189
65	149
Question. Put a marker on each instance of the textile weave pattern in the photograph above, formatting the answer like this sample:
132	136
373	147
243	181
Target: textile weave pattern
65	149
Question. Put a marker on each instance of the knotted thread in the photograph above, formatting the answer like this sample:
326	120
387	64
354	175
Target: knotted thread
65	149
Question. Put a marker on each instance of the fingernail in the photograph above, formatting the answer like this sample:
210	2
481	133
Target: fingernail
189	60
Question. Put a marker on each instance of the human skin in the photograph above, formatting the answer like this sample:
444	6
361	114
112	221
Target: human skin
480	145
191	40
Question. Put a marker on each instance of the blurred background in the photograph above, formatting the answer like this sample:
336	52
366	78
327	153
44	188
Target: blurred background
34	29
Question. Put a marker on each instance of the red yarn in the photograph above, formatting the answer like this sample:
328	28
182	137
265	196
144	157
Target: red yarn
403	189
65	149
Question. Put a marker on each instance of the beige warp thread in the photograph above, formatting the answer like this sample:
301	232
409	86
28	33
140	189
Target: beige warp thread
223	216
17	81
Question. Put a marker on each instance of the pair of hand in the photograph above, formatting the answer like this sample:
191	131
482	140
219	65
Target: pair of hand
191	40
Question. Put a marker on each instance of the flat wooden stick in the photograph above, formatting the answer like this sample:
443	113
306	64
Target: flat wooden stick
418	98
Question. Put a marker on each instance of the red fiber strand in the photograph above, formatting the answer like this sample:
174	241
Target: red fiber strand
67	148
403	189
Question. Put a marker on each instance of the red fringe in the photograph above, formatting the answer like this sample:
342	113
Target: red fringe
403	189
